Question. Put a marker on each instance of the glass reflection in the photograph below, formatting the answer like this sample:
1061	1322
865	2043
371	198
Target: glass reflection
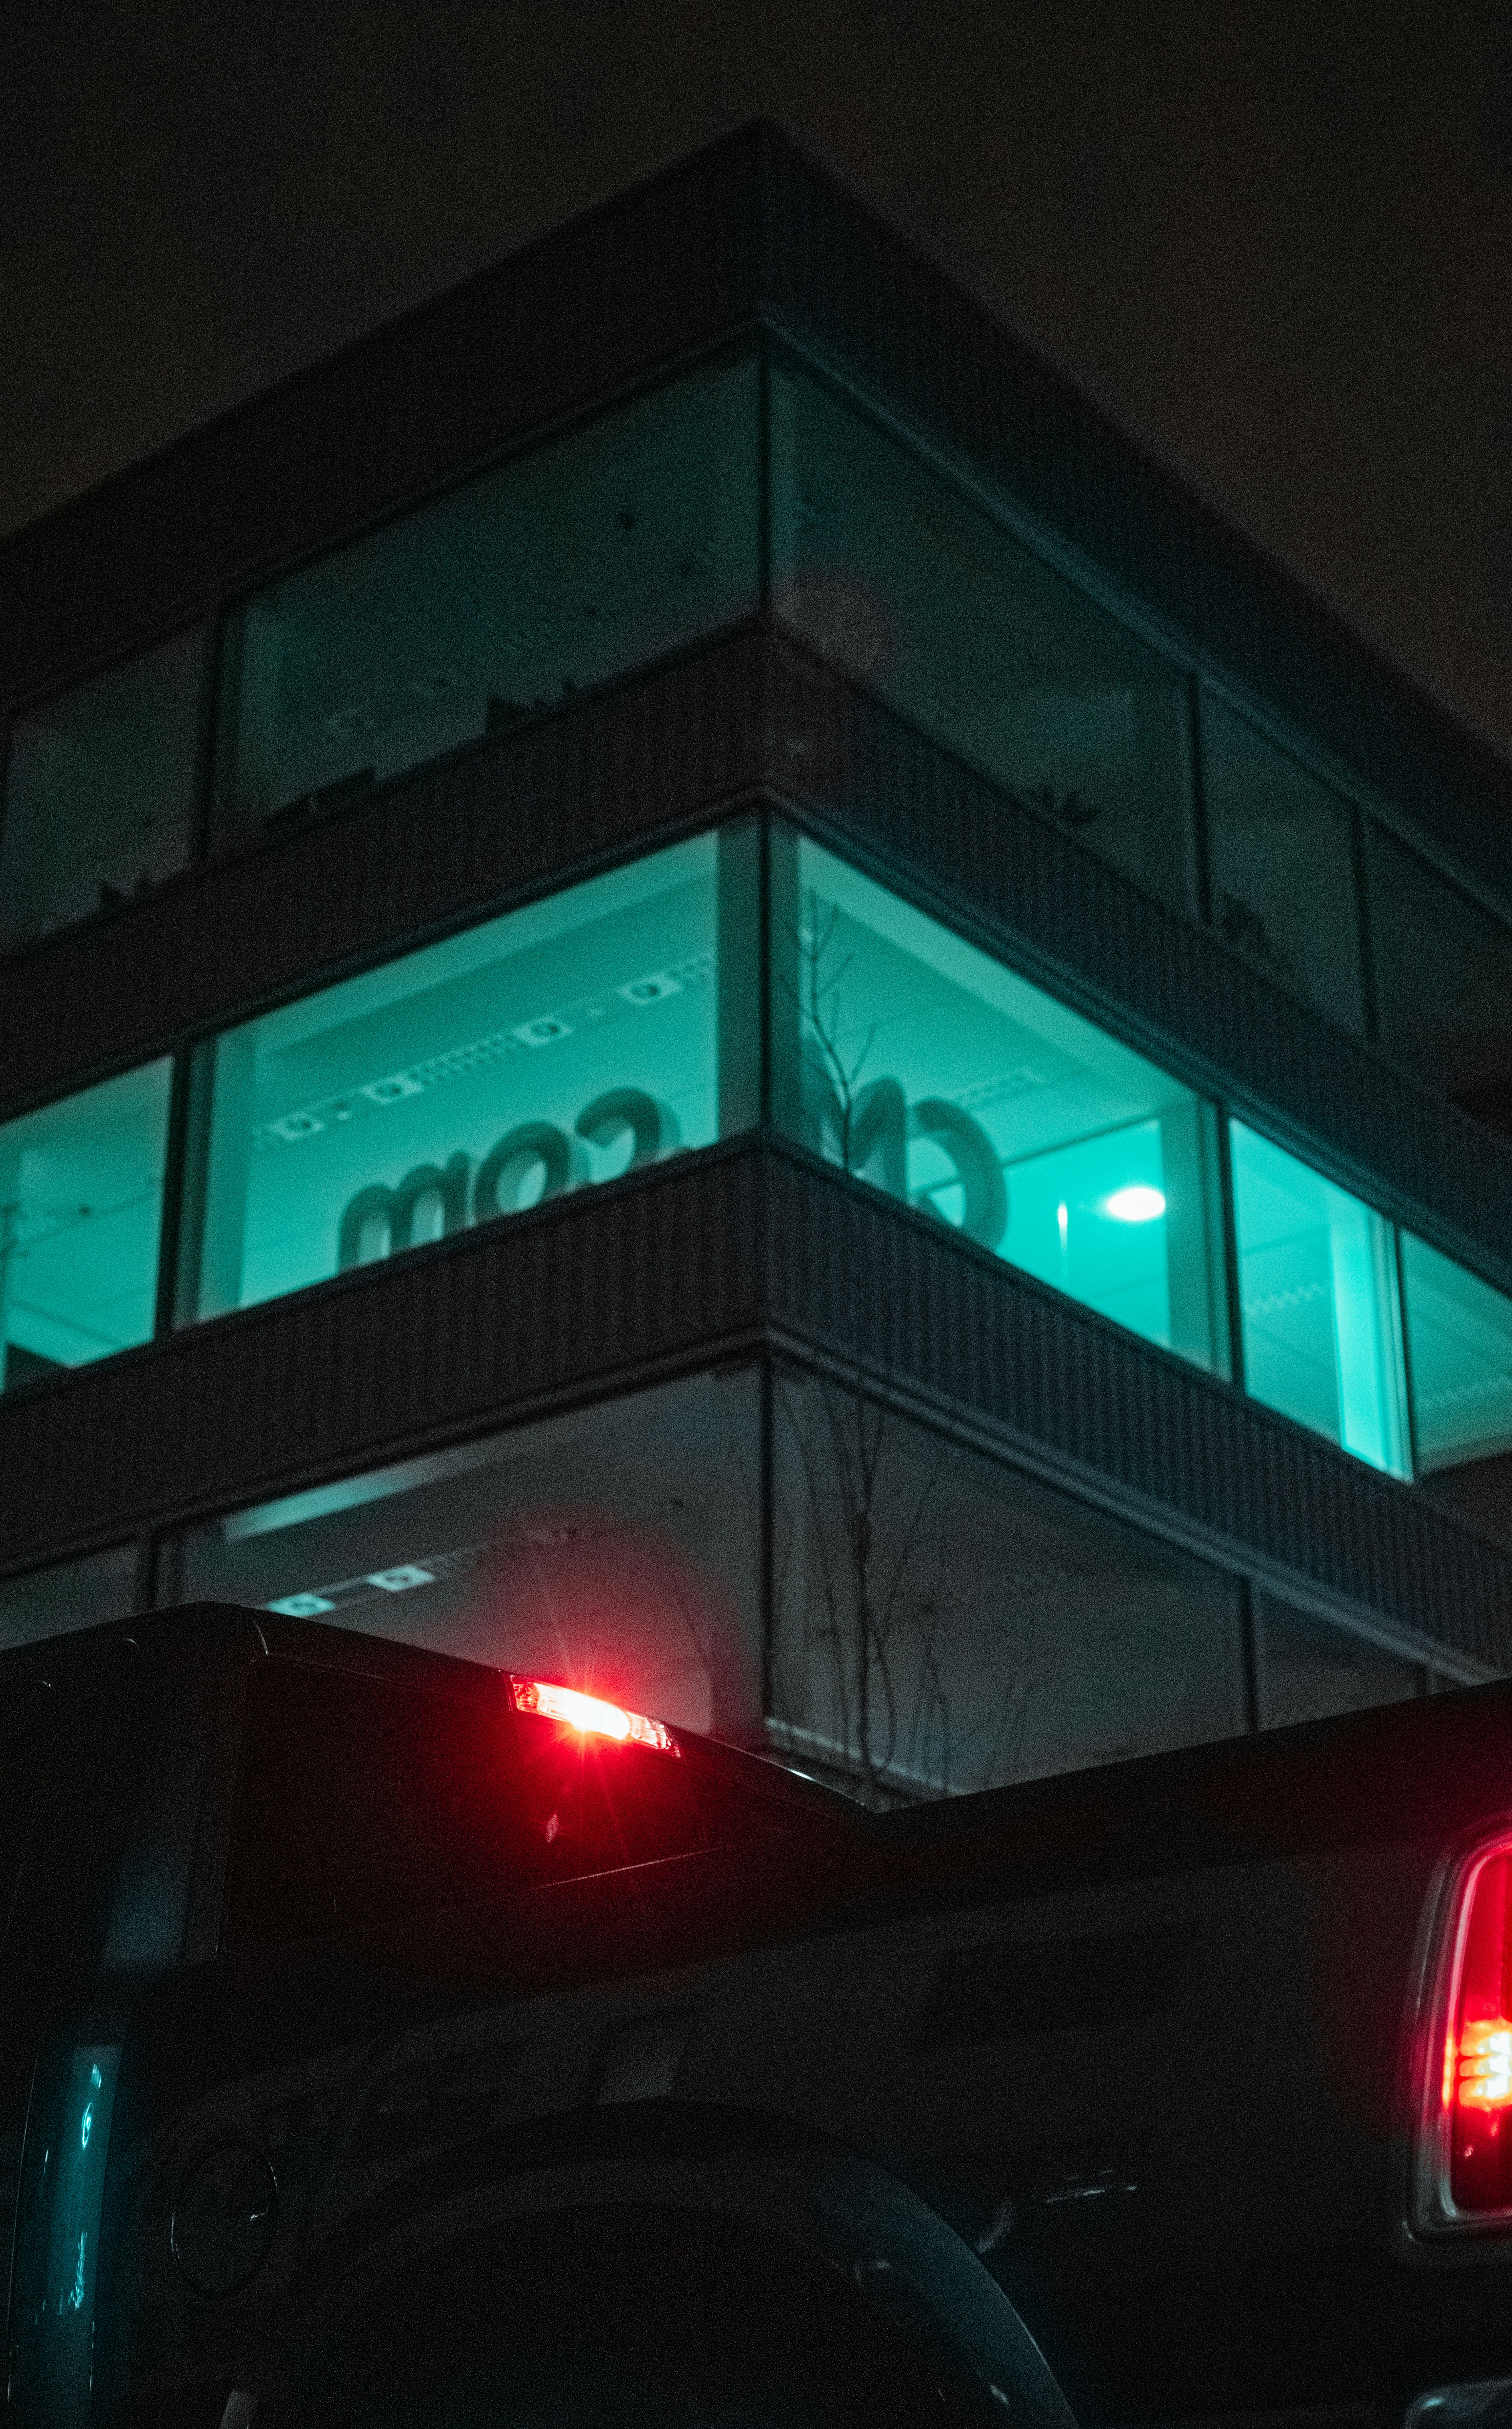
943	1623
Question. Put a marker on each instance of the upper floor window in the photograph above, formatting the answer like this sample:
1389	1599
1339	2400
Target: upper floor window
1444	979
602	549
100	791
891	568
1281	865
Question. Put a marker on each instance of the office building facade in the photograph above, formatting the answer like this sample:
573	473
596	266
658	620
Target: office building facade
699	991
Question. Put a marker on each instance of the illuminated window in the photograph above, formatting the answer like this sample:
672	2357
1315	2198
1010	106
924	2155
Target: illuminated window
615	1550
592	553
100	791
892	571
81	1196
927	1068
1323	1336
1281	859
558	1046
1459	1345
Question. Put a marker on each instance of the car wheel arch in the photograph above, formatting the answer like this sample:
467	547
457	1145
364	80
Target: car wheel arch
809	2194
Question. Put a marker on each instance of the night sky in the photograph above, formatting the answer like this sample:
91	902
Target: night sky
1275	239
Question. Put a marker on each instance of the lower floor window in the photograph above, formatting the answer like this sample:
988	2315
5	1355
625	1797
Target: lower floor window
782	1561
68	1595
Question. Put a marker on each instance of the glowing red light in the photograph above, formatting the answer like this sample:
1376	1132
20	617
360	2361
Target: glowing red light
591	1714
1468	2147
1483	2073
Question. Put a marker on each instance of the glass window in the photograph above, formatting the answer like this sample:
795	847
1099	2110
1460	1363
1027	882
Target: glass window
557	1047
890	568
943	1623
100	791
70	1595
1310	1669
923	1066
1322	1329
1460	1349
1443	979
81	1196
1281	861
594	552
615	1549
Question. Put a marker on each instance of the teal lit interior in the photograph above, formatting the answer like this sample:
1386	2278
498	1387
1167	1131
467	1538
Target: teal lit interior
1459	1339
100	791
603	548
81	1196
1321	1331
545	1051
995	1110
894	570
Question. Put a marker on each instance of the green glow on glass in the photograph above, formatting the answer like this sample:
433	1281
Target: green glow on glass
1323	1334
1459	1331
559	1047
55	2345
81	1186
937	1075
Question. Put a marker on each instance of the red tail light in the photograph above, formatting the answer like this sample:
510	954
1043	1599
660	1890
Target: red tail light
1465	2152
591	1714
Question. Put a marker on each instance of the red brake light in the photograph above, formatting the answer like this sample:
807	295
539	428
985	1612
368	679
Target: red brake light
1466	2152
591	1714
